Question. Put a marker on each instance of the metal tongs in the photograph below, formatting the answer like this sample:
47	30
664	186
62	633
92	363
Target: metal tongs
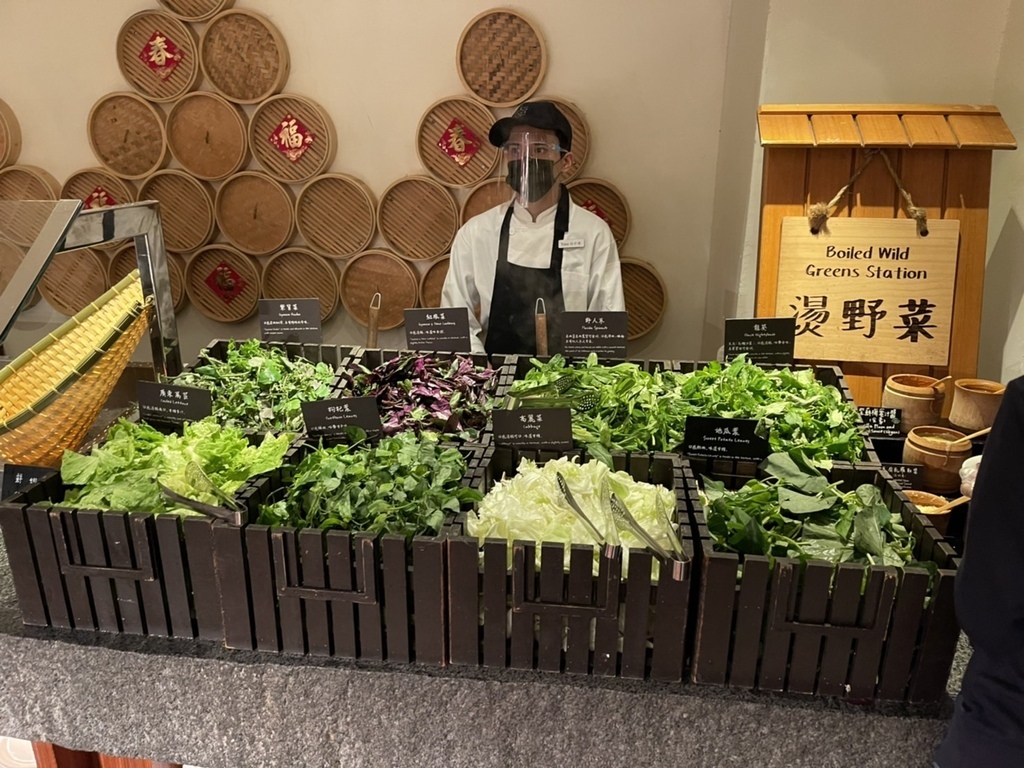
570	499
621	516
201	481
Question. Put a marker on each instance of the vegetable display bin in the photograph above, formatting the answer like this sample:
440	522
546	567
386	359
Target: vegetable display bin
332	593
847	631
572	622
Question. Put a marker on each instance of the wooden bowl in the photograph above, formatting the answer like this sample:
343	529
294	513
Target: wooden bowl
195	10
604	199
296	273
10	136
158	55
378	271
418	218
73	280
645	295
24	185
223	283
255	213
336	215
186	209
124	260
432	282
127	135
276	118
501	57
923	500
243	56
208	135
458	125
933	447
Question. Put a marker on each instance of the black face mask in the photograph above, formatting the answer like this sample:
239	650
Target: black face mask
540	177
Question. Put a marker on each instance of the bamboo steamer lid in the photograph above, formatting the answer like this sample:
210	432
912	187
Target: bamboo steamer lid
336	215
645	296
417	217
255	213
223	283
432	282
73	280
10	259
125	259
378	271
501	57
580	134
25	183
296	273
195	10
127	135
602	198
158	55
98	188
484	196
207	134
243	56
10	136
309	120
186	209
436	126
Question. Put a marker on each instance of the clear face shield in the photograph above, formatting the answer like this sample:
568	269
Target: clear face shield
531	164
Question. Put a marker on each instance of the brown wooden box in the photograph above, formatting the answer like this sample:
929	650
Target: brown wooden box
879	633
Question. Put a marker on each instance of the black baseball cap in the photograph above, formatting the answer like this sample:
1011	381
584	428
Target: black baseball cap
542	115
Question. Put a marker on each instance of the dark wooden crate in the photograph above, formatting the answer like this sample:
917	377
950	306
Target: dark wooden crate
809	629
501	617
332	593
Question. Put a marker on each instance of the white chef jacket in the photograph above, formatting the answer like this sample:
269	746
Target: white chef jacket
591	278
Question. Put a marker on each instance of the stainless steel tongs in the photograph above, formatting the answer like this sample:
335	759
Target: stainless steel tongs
563	486
231	512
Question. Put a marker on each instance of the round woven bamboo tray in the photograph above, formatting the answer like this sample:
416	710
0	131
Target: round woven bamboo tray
10	136
432	282
255	213
645	296
446	122
127	135
10	260
378	271
186	208
22	223
243	56
73	280
501	57
124	260
313	157
195	10
158	55
235	276
484	196
418	217
336	215
296	273
98	188
207	134
580	134
603	199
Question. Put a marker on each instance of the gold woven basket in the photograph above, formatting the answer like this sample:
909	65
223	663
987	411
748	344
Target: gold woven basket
51	394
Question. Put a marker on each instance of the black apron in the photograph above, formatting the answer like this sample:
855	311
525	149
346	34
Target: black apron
511	327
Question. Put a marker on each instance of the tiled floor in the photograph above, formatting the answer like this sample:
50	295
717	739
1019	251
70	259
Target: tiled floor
15	753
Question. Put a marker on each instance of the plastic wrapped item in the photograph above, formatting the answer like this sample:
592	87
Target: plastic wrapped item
968	473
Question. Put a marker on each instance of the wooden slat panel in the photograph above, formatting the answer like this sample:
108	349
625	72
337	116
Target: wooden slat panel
900	644
463	601
261	587
115	528
928	131
371	632
49	567
581	587
205	596
785	129
882	131
878	109
778	640
938	644
670	622
311	550
549	644
866	661
714	622
638	609
827	171
172	573
23	569
293	635
229	557
782	194
495	604
835	130
750	612
394	555
154	607
339	574
606	631
845	608
93	552
813	609
63	524
982	132
522	622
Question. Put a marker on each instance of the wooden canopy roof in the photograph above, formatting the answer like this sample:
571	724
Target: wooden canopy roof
936	126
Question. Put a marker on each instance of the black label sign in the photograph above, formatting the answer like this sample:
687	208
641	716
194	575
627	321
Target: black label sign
290	320
540	428
761	339
909	477
601	333
882	422
18	477
710	437
172	403
445	329
331	417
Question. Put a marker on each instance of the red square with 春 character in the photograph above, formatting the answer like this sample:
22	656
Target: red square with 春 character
99	198
292	138
161	55
226	282
458	142
595	209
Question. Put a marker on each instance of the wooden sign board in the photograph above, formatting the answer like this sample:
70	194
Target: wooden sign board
869	290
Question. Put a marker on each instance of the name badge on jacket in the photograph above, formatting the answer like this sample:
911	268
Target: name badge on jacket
569	242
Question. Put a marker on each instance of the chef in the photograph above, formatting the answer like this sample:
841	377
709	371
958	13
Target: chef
540	246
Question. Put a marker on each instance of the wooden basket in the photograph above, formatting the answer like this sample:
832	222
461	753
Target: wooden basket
10	259
158	55
127	135
195	10
22	223
484	196
124	260
602	198
296	273
74	280
266	125
236	295
501	57
336	215
207	134
243	56
378	271
255	213
432	282
186	209
580	134
457	114
10	136
645	296
418	217
98	188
